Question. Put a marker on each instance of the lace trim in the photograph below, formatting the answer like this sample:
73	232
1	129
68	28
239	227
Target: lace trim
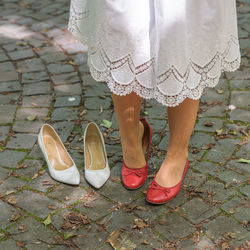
202	76
190	84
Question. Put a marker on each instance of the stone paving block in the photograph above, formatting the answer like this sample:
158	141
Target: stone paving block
27	126
35	203
240	99
208	124
60	114
43	182
96	116
4	173
173	227
10	87
67	194
66	90
36	88
93	88
232	178
239	84
32	77
36	101
94	206
57	68
218	110
222	150
30	65
197	210
11	184
221	225
63	129
119	219
54	57
238	167
9	98
34	232
68	78
6	66
200	140
246	190
8	76
67	101
3	57
38	113
156	111
206	167
238	207
244	151
97	102
203	243
215	191
10	158
4	130
158	125
146	211
240	115
193	180
244	73
89	238
5	216
141	239
24	141
7	113
36	152
31	167
80	58
116	192
77	156
21	54
8	244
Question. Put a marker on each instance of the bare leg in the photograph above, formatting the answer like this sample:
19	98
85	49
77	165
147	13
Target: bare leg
127	110
181	123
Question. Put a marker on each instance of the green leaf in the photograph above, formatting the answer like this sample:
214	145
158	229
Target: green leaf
68	235
146	112
106	123
47	221
243	160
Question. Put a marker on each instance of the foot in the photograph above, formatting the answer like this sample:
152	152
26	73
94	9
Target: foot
134	152
171	169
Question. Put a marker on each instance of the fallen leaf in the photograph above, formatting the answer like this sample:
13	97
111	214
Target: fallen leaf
51	207
139	223
243	160
47	221
31	118
106	123
34	176
21	227
68	235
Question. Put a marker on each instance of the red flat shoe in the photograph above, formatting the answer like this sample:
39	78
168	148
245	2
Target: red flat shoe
133	178
157	194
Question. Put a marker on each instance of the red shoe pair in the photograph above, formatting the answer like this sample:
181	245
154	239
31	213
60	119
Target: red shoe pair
134	178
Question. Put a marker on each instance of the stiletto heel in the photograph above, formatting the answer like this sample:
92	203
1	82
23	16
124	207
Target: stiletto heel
60	164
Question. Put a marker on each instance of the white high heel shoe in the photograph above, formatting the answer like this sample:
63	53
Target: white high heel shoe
60	164
96	165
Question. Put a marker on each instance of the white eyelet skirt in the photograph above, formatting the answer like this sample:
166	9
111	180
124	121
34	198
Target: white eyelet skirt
162	49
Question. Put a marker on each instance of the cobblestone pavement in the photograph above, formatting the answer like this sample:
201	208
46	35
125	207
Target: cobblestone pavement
45	78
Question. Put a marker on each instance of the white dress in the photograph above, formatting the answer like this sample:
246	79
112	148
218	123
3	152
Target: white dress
162	49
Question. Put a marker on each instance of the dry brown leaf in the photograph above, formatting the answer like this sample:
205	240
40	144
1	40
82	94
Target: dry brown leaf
34	176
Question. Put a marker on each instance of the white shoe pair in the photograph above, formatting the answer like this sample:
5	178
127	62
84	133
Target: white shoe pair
62	167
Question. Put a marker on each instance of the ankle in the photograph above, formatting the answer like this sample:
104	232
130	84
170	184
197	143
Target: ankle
177	154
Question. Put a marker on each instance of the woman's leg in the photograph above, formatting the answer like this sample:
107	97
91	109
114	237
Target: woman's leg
127	110
181	123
